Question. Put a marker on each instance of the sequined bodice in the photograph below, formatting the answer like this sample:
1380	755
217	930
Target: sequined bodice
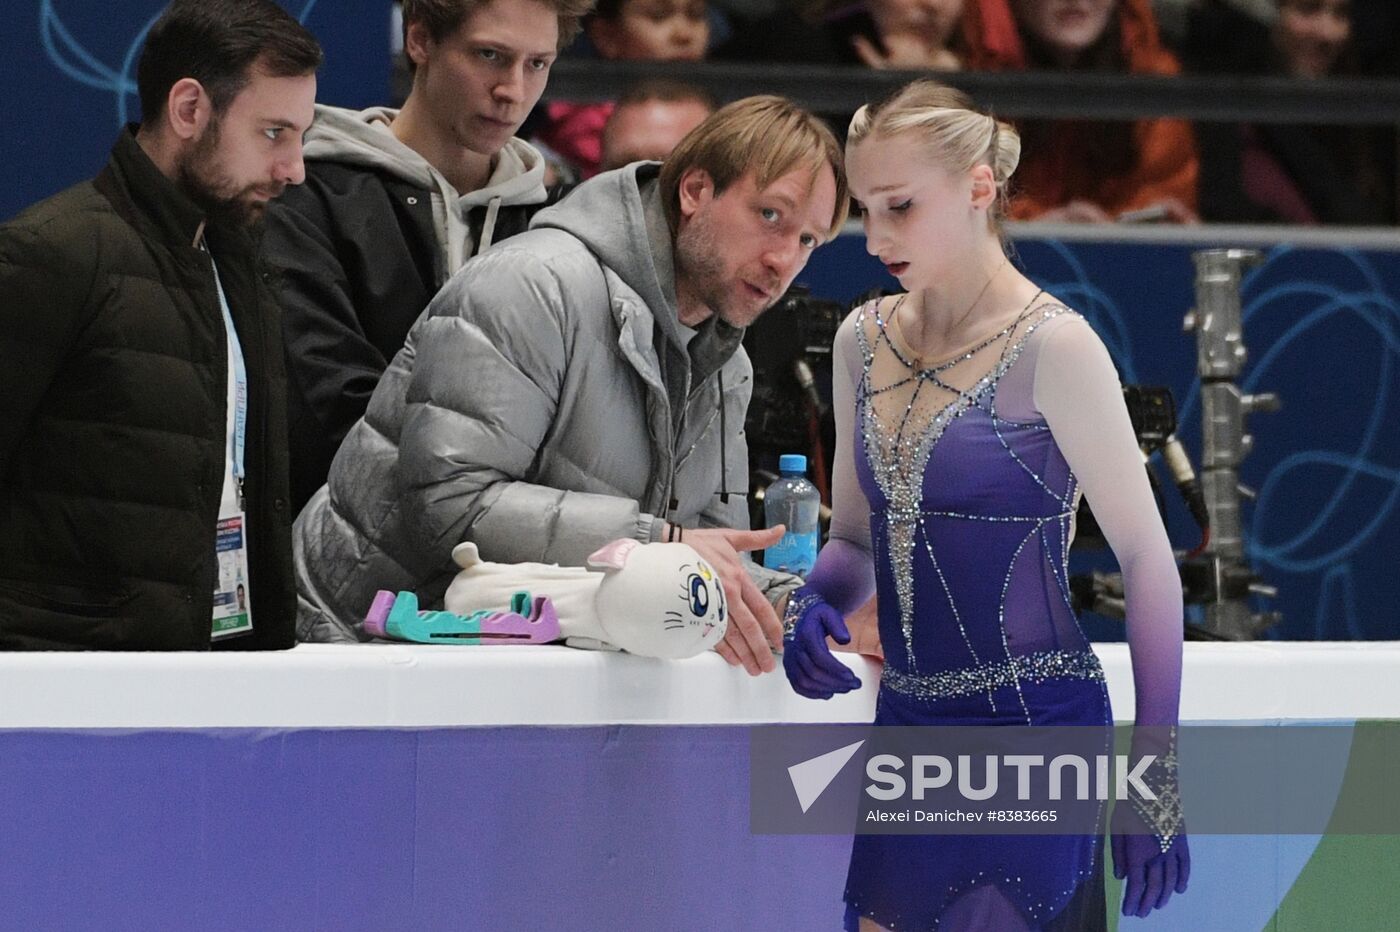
971	517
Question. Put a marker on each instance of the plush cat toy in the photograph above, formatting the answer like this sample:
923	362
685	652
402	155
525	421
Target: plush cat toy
655	600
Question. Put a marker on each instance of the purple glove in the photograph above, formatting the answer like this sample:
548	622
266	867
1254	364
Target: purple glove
1152	876
808	662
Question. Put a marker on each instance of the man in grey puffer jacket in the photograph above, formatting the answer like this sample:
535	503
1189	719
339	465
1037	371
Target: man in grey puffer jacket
584	381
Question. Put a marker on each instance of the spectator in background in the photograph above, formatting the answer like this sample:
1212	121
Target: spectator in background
1173	17
650	119
877	33
1077	170
1295	173
395	201
650	30
623	30
911	34
1311	35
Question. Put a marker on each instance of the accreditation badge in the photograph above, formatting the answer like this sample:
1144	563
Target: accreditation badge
233	612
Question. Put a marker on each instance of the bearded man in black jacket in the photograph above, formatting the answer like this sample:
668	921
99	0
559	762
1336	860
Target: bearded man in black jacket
143	463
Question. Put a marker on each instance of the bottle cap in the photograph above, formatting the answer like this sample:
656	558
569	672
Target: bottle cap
792	462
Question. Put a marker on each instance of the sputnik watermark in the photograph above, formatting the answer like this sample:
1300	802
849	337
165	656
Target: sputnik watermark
1034	778
1251	779
811	777
999	779
936	772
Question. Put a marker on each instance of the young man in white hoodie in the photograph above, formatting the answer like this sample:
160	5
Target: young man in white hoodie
396	201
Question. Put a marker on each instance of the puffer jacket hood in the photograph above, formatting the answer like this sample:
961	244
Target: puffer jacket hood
639	251
627	248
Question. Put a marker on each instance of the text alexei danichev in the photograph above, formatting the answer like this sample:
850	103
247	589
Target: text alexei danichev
959	815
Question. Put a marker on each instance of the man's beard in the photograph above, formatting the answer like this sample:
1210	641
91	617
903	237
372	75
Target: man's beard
200	176
699	264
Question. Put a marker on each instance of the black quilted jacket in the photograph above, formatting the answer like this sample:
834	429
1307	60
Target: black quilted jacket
113	381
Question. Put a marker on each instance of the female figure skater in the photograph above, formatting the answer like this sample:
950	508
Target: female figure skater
972	411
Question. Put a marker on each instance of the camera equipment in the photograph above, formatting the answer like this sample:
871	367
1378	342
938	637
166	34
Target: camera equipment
790	347
1153	414
790	411
1215	574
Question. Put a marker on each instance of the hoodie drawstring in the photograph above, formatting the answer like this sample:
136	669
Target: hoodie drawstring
488	227
723	454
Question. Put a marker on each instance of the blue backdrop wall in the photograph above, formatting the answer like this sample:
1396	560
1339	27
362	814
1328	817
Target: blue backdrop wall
1323	329
69	79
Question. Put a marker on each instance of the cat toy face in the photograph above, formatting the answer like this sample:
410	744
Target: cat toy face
659	600
702	602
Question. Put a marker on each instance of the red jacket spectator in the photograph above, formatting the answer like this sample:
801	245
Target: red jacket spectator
1118	168
575	131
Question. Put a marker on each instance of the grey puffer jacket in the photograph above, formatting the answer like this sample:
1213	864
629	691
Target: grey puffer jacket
547	402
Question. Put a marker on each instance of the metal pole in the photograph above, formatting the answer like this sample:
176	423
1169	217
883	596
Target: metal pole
1225	442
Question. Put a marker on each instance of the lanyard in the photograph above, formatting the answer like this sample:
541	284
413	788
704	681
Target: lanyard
240	385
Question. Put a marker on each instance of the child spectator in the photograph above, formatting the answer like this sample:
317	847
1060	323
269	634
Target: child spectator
649	30
624	30
911	34
1296	173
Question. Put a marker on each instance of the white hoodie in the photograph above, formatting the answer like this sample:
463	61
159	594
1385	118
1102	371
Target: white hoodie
364	138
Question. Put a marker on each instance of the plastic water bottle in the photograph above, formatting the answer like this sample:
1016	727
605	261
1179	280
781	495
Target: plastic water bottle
795	503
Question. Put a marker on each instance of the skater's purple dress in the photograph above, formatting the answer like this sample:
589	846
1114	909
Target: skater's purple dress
968	500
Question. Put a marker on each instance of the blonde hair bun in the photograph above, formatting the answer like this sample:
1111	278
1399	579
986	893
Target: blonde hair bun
957	135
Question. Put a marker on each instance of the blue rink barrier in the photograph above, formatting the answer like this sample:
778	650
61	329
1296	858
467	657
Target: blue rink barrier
606	828
1322	325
